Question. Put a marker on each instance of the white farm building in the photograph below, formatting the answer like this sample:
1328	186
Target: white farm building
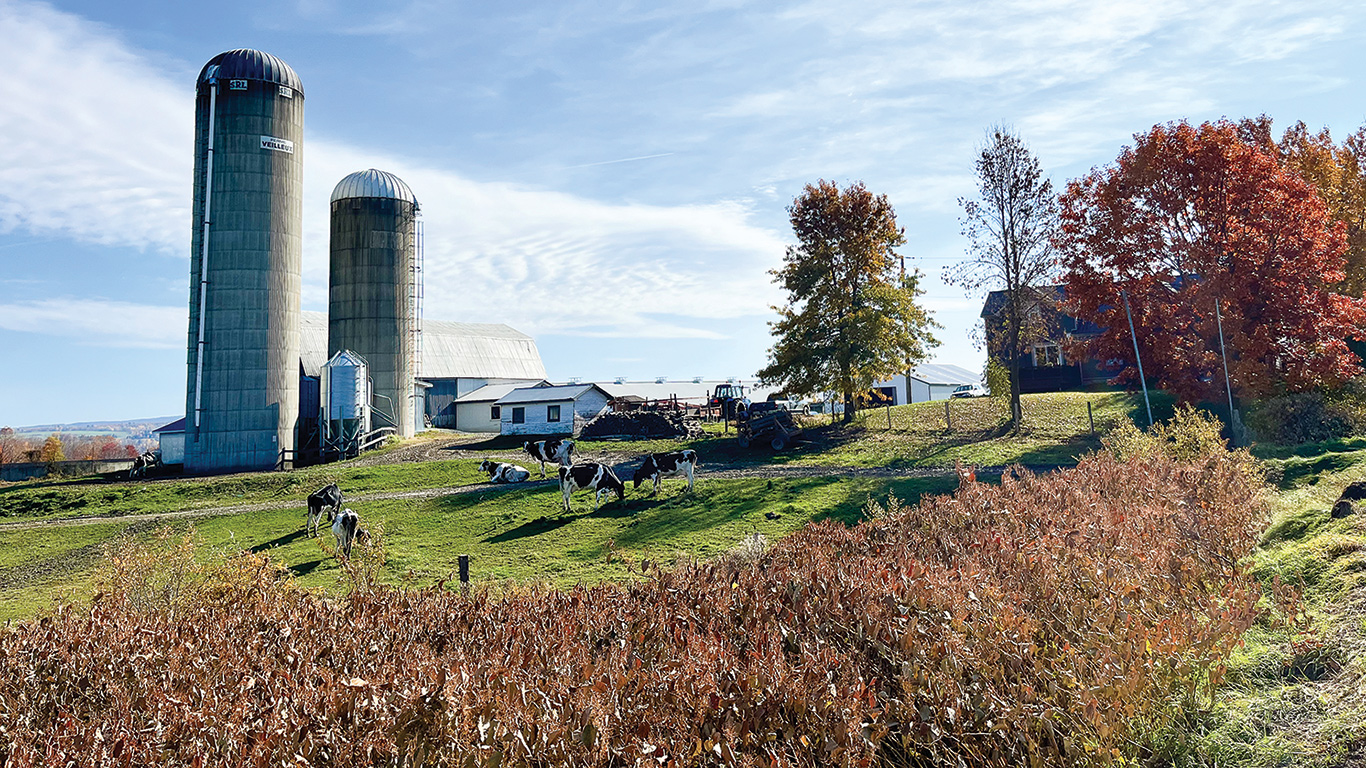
930	381
557	410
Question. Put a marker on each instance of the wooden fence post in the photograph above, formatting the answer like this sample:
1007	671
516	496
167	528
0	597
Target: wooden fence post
464	570
1091	417
889	416
948	419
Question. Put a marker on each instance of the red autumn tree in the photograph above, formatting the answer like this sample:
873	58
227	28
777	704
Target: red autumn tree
1193	215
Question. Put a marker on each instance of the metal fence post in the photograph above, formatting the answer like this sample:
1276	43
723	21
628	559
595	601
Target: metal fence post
948	418
464	570
1091	417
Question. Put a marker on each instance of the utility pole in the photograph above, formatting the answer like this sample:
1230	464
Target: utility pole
1223	354
1141	380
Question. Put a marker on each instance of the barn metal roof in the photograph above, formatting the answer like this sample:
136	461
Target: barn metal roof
373	183
491	392
312	342
935	373
548	394
250	64
449	350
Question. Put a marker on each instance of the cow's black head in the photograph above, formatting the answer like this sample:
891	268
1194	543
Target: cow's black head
644	472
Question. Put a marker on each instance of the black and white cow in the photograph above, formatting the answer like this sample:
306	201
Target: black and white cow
660	465
558	451
590	475
347	529
143	464
504	473
329	499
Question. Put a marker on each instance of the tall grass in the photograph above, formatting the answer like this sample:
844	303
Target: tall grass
1052	620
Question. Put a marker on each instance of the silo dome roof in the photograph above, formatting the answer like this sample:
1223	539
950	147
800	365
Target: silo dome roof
248	64
373	183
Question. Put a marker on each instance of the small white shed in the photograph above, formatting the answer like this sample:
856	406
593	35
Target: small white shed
171	439
560	410
479	411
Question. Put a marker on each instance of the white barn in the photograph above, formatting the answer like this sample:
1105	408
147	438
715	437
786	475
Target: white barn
930	381
556	410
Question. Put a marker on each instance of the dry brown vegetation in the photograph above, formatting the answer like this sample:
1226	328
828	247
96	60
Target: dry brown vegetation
1050	621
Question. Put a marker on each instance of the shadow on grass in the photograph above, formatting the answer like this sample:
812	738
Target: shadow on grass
532	528
303	569
1296	472
280	541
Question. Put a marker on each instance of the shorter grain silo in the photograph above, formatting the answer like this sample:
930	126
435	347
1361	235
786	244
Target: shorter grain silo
374	306
345	396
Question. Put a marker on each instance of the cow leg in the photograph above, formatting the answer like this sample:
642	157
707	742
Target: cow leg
565	489
689	470
659	480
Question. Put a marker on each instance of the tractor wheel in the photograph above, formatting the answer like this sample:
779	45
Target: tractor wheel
744	440
779	441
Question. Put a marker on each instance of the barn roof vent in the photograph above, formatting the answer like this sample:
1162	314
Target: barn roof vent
620	379
661	379
730	379
697	379
575	379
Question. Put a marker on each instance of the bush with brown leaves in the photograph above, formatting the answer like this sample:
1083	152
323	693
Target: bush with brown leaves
1049	621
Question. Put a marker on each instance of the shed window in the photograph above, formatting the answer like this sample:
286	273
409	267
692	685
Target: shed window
518	415
495	413
552	413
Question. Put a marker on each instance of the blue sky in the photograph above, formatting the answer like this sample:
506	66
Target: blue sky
609	177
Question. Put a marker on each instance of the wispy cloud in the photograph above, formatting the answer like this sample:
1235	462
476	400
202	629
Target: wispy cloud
99	322
76	160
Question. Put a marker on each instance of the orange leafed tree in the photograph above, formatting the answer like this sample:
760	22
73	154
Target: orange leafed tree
1190	215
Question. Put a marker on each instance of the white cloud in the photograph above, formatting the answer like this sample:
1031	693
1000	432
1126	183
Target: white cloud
95	145
98	322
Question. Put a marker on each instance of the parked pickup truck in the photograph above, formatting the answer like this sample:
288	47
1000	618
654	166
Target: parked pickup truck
766	421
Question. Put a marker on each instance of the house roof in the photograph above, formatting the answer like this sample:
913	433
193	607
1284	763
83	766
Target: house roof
491	392
942	373
548	394
176	426
449	350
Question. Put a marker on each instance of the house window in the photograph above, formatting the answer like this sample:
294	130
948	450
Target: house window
552	413
1047	355
495	413
518	415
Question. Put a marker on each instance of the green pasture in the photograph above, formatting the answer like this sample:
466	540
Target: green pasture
520	533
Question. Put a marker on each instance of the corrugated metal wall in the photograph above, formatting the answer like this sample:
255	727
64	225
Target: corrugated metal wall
371	301
251	363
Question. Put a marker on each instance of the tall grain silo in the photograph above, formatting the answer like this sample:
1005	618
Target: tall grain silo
374	299
245	265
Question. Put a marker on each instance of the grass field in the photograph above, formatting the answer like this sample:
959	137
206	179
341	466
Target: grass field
520	533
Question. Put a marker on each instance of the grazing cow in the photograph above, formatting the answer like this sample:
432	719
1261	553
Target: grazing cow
558	450
504	473
327	498
591	475
661	465
347	529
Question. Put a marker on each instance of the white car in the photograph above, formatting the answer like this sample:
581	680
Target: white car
969	390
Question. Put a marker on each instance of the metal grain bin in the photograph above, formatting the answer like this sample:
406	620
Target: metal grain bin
245	264
374	302
345	396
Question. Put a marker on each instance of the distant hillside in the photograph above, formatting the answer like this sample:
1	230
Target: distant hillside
131	429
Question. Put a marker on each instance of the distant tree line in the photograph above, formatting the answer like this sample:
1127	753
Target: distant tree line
16	448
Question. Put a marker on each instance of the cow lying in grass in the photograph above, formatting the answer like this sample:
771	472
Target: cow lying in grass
329	499
593	476
504	473
660	465
557	450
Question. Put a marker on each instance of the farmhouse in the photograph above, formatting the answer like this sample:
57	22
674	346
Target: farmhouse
1044	367
554	410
